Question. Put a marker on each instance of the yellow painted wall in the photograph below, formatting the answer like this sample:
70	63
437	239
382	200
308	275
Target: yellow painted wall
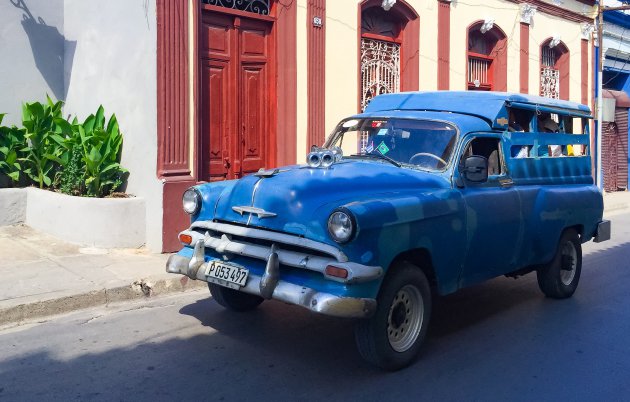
341	61
342	51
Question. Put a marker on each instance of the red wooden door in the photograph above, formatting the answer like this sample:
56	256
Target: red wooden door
235	96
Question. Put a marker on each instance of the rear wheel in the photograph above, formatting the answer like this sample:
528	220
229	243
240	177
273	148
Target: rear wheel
233	299
392	337
560	277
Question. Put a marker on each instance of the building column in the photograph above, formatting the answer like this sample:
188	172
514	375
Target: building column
524	62
316	29
173	165
443	44
527	16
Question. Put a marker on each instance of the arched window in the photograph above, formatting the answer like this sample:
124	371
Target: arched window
554	69
486	67
389	55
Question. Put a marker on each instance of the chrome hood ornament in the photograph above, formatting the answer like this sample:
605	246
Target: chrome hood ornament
261	213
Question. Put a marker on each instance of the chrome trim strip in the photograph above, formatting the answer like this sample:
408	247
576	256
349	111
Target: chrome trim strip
271	236
318	302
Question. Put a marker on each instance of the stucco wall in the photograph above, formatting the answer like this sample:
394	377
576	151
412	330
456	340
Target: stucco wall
342	50
115	65
31	53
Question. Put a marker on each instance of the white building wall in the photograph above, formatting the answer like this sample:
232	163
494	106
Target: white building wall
115	65
31	54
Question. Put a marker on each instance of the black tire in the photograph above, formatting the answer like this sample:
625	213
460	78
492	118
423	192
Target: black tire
559	278
378	338
233	299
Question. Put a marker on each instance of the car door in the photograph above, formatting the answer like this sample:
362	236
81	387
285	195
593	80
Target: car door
493	214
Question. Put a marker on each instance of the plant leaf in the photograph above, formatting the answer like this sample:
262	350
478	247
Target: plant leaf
88	124
36	109
100	117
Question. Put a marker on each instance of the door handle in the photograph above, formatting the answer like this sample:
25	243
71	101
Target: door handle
506	183
226	162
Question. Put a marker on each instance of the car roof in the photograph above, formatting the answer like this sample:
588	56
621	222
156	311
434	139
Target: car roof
490	106
465	123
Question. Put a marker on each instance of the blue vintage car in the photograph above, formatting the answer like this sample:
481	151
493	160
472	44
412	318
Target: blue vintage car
424	193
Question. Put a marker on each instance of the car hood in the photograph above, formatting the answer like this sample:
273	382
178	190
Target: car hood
299	199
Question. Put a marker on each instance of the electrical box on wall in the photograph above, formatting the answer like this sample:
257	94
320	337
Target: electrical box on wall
608	109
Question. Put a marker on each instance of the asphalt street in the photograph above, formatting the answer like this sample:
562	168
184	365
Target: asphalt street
498	341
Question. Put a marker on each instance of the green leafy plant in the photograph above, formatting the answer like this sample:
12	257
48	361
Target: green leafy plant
71	179
71	157
42	152
102	148
12	141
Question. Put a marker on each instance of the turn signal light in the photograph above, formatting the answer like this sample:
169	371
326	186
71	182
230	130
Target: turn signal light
337	272
185	238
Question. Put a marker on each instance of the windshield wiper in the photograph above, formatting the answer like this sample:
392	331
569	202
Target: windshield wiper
377	156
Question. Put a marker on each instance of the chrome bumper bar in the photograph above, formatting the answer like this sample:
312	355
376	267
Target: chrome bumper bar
224	244
318	302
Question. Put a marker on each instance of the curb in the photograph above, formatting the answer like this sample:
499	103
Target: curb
140	289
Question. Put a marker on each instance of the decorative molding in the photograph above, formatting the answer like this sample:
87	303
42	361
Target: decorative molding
551	9
487	25
555	41
587	30
388	4
253	6
527	13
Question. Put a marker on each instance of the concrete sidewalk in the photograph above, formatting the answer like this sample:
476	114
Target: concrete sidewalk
41	275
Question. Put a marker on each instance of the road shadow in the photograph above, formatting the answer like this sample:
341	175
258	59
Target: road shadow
501	341
52	52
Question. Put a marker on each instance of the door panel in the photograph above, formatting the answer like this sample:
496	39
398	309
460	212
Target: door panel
494	222
235	88
254	120
215	147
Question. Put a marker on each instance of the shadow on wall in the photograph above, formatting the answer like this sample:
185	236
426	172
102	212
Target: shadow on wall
51	51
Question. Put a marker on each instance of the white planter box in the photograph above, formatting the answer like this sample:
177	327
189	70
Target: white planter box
12	206
97	222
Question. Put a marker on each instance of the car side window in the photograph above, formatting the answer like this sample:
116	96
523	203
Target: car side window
488	148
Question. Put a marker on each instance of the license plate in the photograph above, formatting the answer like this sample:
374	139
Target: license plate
226	275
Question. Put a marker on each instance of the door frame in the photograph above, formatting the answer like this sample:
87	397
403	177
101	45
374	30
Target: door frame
178	106
270	150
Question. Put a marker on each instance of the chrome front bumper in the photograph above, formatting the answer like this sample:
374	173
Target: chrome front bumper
319	302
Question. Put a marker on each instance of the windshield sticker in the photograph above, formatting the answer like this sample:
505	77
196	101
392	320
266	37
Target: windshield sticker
377	123
382	148
350	123
369	148
382	131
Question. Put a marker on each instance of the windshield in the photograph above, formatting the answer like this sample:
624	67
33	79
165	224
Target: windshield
417	143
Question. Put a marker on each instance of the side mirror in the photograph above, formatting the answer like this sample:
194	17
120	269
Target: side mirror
475	169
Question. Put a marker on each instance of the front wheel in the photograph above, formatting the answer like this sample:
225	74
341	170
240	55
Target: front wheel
233	299
392	337
559	278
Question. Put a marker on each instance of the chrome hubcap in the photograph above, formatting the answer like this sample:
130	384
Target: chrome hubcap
568	263
404	321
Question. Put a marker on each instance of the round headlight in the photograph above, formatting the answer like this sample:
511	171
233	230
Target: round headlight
341	226
191	201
